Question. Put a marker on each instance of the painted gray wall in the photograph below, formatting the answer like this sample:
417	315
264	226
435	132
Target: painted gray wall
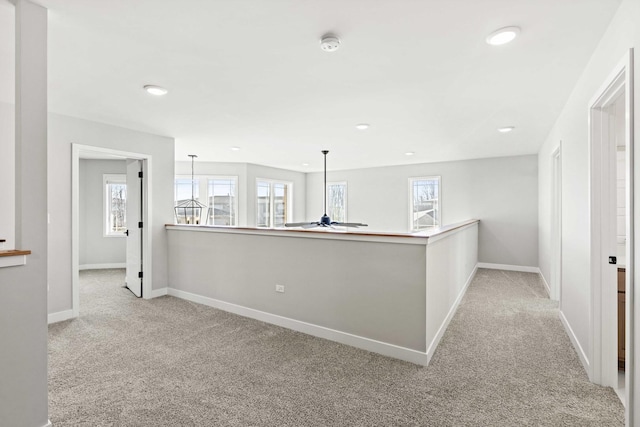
23	289
572	129
247	174
501	192
373	290
95	248
63	131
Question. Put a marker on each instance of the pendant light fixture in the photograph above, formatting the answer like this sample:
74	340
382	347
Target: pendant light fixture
190	211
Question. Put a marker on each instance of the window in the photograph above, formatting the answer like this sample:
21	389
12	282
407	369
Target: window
425	202
222	201
221	197
183	189
272	203
115	196
337	201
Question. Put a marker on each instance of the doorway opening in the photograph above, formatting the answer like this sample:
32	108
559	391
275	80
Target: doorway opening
136	175
612	228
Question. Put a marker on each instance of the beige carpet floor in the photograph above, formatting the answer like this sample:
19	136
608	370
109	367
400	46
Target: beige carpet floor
505	360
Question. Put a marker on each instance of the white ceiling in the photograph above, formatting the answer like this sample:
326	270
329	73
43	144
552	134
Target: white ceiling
250	73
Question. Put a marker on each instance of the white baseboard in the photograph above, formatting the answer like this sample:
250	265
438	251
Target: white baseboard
508	267
48	424
546	284
102	266
374	346
431	348
576	344
60	316
155	293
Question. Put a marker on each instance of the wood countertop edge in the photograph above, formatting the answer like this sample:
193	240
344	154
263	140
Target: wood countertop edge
14	252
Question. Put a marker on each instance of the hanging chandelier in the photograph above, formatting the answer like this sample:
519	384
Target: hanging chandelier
190	211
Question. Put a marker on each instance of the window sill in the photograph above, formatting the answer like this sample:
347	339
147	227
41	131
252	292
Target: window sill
13	258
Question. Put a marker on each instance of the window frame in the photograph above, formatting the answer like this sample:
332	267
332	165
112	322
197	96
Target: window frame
289	211
346	199
411	205
235	196
107	179
202	184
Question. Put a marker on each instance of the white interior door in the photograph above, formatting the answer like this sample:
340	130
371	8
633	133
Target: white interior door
134	231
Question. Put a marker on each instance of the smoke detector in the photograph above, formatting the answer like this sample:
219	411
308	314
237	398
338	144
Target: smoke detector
329	43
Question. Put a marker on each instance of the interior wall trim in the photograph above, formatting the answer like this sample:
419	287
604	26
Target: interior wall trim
508	267
155	293
385	349
59	316
102	266
546	284
576	344
431	347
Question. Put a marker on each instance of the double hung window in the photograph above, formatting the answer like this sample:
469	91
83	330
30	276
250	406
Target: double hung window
337	201
218	193
115	204
425	202
273	203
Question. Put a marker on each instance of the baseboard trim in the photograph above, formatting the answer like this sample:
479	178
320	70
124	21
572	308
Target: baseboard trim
48	424
576	344
445	324
363	343
546	284
102	266
155	293
508	267
60	316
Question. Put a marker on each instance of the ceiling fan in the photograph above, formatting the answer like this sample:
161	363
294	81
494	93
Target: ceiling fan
325	221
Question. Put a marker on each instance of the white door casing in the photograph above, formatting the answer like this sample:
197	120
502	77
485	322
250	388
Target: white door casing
79	151
602	192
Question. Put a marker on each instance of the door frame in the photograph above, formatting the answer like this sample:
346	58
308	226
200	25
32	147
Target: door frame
555	291
603	358
77	152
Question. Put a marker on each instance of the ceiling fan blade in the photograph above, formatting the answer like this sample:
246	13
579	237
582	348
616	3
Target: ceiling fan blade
311	225
298	224
349	224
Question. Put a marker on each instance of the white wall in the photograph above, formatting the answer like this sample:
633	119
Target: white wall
63	131
7	174
501	192
247	174
95	248
572	129
23	289
7	124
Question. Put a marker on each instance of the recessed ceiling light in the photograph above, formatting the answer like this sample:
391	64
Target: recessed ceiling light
362	126
409	153
155	90
503	35
506	129
305	164
235	148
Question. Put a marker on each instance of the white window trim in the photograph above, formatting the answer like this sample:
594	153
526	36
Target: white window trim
203	188
410	204
119	178
346	198
289	185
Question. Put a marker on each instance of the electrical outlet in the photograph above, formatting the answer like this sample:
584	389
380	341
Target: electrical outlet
280	288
